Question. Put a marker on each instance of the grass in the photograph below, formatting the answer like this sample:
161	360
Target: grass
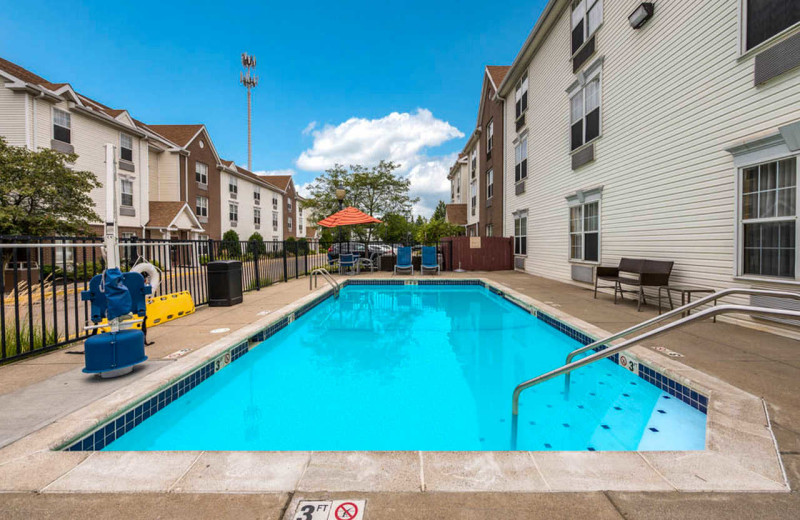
41	339
253	285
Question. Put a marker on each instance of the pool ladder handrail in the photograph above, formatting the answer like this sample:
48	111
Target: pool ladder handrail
327	276
614	349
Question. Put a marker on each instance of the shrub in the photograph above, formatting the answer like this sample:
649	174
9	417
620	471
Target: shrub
302	247
229	247
255	244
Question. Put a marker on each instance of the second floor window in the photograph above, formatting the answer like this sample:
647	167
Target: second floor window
289	204
521	96
62	126
126	188
233	185
521	160
766	18
473	162
473	189
257	194
256	216
126	147
275	221
201	173
201	207
585	114
489	184
489	137
274	202
586	18
233	212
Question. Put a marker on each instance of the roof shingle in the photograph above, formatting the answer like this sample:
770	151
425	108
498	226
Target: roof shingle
498	73
178	134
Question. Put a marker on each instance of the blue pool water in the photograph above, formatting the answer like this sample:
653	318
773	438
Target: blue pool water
417	368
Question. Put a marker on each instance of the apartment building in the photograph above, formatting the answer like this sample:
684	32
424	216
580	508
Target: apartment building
253	204
456	211
664	130
289	206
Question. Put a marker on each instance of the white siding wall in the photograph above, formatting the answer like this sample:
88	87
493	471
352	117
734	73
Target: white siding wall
246	204
12	116
166	183
675	94
473	219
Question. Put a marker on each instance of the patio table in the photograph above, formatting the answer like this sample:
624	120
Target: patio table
686	295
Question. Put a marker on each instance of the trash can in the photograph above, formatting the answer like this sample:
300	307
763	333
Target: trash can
224	283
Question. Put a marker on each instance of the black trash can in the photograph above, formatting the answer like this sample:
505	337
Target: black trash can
224	283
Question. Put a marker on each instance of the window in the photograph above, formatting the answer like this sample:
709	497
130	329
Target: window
473	196
521	96
473	162
126	188
201	206
201	173
521	234
62	124
289	204
289	223
585	113
257	216
274	202
126	147
768	226
584	232
587	15
274	221
233	185
257	194
458	187
489	184
763	19
489	230
233	212
489	138
521	160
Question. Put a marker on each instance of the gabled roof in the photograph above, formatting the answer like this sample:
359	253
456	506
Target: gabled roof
181	135
163	215
279	181
497	74
27	76
262	179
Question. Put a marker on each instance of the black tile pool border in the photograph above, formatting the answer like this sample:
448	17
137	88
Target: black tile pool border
123	422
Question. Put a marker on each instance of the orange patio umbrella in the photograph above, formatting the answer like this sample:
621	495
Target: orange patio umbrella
349	216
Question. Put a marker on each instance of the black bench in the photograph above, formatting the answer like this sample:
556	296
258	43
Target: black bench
648	273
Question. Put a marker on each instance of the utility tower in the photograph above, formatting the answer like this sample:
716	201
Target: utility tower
249	80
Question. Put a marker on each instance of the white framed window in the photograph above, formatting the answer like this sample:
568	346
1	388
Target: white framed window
233	212
62	126
473	196
126	147
521	234
584	113
521	96
458	187
473	162
233	185
257	194
489	184
274	202
489	137
289	223
64	255
489	230
274	221
126	193
764	19
587	15
257	216
201	173
584	231
201	206
289	203
521	160
767	227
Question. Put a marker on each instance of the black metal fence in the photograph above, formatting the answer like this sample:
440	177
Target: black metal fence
43	276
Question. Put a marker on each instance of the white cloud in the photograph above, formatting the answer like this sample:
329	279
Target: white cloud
309	127
286	171
402	138
302	189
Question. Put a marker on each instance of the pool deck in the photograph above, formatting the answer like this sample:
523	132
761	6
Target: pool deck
761	364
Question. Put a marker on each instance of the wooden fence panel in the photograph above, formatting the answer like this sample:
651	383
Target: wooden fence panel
482	253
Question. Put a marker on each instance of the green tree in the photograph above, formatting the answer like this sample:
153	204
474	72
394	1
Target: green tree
394	229
41	195
430	233
256	244
325	239
230	244
440	213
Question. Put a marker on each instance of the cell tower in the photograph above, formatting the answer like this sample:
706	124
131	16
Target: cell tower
249	80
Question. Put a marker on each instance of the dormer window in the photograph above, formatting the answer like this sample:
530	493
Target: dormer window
587	15
62	126
126	147
521	96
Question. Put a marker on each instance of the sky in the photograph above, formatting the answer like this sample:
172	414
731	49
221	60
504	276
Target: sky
346	82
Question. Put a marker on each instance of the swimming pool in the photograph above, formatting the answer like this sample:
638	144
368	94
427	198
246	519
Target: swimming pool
416	367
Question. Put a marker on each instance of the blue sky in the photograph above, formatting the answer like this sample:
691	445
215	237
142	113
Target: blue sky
331	73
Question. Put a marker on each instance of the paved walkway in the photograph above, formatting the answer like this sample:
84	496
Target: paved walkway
763	364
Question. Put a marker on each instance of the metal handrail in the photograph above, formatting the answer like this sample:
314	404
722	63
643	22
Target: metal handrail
611	350
327	276
676	312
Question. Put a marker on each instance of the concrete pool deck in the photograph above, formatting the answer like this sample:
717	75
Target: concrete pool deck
197	472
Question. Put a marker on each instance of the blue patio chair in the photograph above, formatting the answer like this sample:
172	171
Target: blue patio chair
404	260
333	263
430	260
348	261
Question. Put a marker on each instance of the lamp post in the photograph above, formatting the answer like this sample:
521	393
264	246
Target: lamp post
340	197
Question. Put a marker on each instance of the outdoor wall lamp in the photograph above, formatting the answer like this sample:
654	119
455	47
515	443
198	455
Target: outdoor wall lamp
640	16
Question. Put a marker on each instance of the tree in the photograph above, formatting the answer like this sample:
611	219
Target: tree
230	244
255	244
394	229
41	195
377	191
440	213
430	233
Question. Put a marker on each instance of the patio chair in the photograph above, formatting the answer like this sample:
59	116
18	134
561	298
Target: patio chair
430	262
333	263
404	260
346	262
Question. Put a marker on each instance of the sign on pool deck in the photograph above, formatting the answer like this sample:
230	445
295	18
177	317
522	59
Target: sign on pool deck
330	510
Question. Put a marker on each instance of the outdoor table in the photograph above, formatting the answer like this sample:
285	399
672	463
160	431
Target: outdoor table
686	295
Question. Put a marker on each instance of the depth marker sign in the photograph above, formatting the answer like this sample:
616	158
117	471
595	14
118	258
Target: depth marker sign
330	510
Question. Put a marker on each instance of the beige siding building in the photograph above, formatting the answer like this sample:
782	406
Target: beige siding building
677	140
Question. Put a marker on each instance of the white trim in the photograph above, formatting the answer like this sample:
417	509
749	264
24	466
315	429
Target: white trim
769	42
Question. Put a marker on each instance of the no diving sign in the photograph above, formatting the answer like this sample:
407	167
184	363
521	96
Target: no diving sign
330	510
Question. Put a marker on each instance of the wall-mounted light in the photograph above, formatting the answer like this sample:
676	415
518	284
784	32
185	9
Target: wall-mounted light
640	16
